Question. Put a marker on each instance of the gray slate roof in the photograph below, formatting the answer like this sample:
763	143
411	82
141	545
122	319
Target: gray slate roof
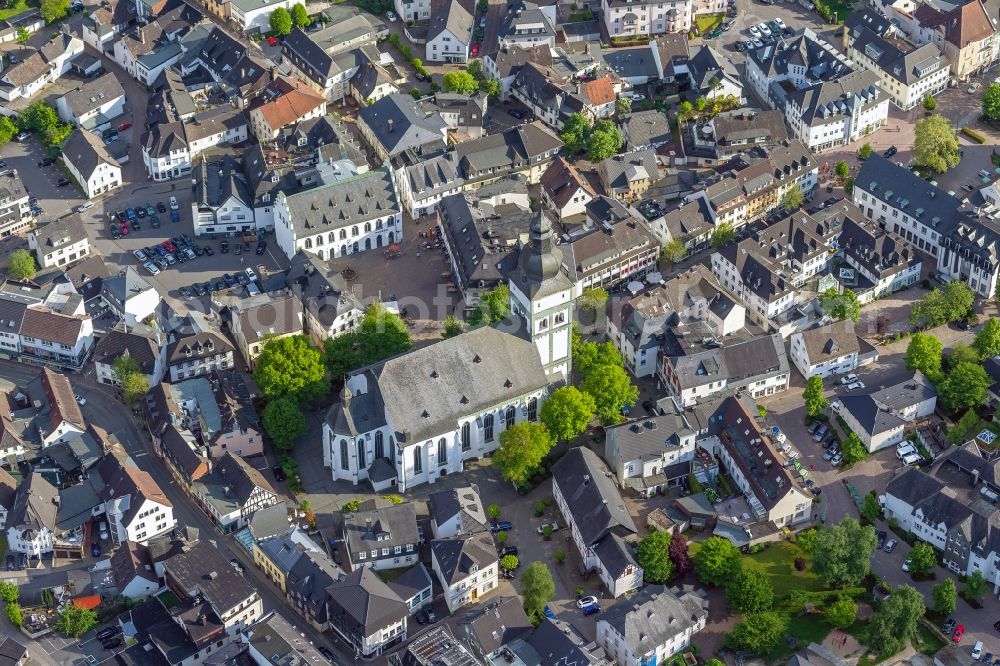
94	94
194	569
396	524
457	556
648	437
363	603
870	415
343	203
655	616
454	18
596	505
86	152
400	125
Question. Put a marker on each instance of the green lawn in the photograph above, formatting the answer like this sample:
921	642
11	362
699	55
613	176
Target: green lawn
16	8
778	563
926	641
708	22
807	629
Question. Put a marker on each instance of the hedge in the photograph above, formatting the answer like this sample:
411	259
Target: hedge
974	135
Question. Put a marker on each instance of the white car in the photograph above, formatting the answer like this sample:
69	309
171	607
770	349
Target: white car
251	275
140	255
906	564
554	526
792	454
151	267
849	379
636	97
977	650
764	30
754	30
974	88
835	406
80	399
586	601
781	24
391	16
855	385
173	203
86	205
757	44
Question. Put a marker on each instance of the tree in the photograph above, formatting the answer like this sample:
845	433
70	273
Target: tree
493	306
894	624
21	265
537	587
593	299
299	15
654	557
923	353
841	170
37	117
290	366
606	140
962	427
14	615
53	10
750	591
866	151
281	21
991	102
842	554
760	632
964	387
7	129
700	104
491	87
961	353
509	562
841	306
284	422
674	250
679	554
567	412
975	586
853	449
576	131
842	612
495	511
922	559
129	376
945	596
522	448
23	35
813	396
380	335
75	620
452	327
685	110
870	508
793	198
9	592
949	303
723	235
935	145
611	389
987	343
623	105
592	355
849	186
717	561
459	82
929	103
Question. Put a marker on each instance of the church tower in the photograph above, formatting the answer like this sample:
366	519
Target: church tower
542	296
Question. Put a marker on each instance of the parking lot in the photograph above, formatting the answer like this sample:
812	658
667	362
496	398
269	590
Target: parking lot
41	182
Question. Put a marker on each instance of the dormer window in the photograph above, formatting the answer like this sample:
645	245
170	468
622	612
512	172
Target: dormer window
474	568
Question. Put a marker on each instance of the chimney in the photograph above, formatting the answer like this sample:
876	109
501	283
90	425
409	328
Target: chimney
586	479
243	72
201	619
974	477
388	124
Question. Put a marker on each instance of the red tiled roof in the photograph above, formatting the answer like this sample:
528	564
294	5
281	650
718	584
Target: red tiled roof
62	402
291	106
600	91
968	24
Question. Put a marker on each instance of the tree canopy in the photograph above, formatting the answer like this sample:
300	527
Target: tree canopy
75	621
723	235
987	343
605	140
841	306
922	558
380	334
21	265
299	15
935	145
576	130
945	596
923	353
964	386
793	198
750	591
991	102
842	612
522	448
53	10
759	632
493	306
866	151
537	587
853	449
460	82
7	129
591	355
127	373
567	412
284	421
653	554
452	327
948	303
679	554
674	250
894	624
842	554
813	396
930	103
280	21
717	561
291	366
611	388
975	586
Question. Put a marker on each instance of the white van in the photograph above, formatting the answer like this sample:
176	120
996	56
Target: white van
989	494
977	650
905	450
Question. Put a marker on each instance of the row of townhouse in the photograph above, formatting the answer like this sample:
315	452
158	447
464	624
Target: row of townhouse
626	19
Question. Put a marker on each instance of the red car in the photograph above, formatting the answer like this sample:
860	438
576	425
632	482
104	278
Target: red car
475	50
959	632
124	229
272	41
124	126
168	246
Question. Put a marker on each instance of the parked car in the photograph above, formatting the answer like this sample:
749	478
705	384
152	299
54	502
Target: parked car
62	182
224	247
261	247
950	625
48	161
586	601
547	612
325	651
391	16
161	207
881	536
135	225
250	274
474	51
86	205
139	255
592	609
855	385
175	216
151	267
890	546
959	632
516	113
976	85
124	126
848	379
507	550
108	632
502	526
112	643
821	433
173	203
977	650
541	528
906	565
890	151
